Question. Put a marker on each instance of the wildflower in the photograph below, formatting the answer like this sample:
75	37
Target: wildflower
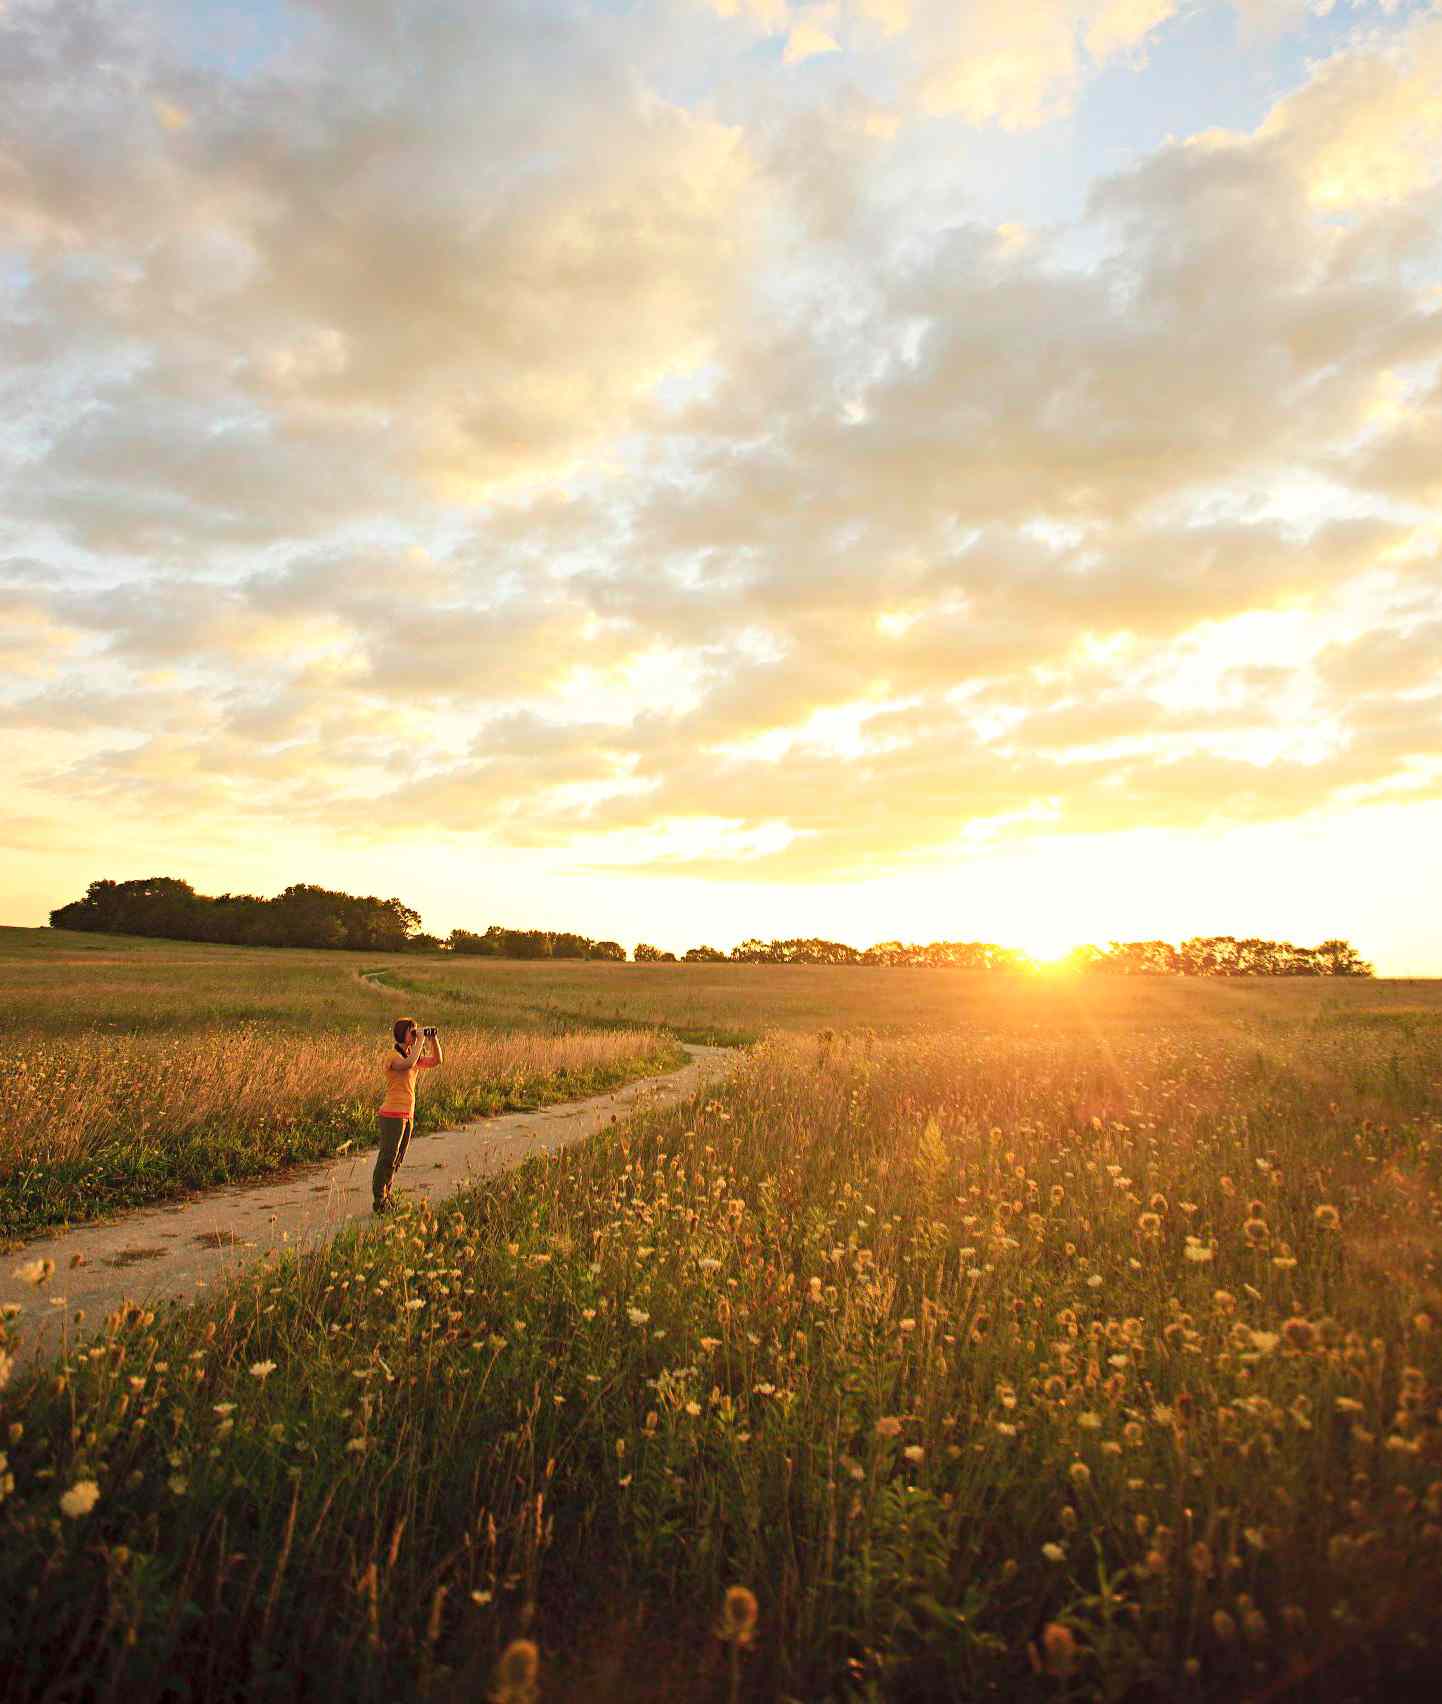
82	1496
908	1325
1224	1627
637	1316
514	1681
914	1452
1200	1557
1054	1552
1256	1232
737	1625
1265	1341
1225	1301
1094	1282
35	1271
1079	1473
888	1427
262	1369
1298	1334
1058	1650
1327	1218
1196	1251
1149	1224
356	1446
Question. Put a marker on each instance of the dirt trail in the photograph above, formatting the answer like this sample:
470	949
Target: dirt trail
179	1249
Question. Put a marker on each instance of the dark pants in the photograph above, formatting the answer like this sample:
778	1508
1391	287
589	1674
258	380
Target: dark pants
395	1139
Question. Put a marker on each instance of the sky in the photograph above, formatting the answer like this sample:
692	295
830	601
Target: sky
681	470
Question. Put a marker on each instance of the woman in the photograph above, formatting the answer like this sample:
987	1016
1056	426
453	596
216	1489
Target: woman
398	1110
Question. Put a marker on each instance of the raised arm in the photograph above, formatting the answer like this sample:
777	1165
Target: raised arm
434	1043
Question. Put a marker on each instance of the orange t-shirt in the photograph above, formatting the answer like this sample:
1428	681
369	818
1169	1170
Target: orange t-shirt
400	1101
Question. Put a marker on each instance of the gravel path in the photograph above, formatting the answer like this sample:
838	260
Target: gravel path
180	1248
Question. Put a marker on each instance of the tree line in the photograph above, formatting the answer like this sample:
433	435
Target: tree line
301	916
1202	955
304	915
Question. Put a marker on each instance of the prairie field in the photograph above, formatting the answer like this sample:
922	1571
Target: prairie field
984	1341
144	1069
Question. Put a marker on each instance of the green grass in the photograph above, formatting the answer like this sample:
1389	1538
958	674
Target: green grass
1117	1342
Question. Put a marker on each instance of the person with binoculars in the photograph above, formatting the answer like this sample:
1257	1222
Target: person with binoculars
415	1050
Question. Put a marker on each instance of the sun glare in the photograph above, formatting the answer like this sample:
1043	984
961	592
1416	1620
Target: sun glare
1047	947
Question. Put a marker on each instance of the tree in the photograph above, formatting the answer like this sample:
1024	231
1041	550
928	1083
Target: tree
645	953
570	947
1341	958
703	955
612	951
154	905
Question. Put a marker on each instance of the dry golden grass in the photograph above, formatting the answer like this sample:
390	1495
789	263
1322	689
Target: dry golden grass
93	1121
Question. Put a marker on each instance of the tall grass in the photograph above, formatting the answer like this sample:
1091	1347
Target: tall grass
1019	1366
94	1121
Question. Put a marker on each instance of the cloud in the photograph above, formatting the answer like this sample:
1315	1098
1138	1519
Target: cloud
370	269
467	440
810	35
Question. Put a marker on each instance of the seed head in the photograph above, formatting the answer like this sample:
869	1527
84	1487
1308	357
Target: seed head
1058	1649
80	1499
515	1677
737	1625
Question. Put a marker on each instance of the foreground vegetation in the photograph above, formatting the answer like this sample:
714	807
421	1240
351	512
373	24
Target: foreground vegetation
1022	1364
